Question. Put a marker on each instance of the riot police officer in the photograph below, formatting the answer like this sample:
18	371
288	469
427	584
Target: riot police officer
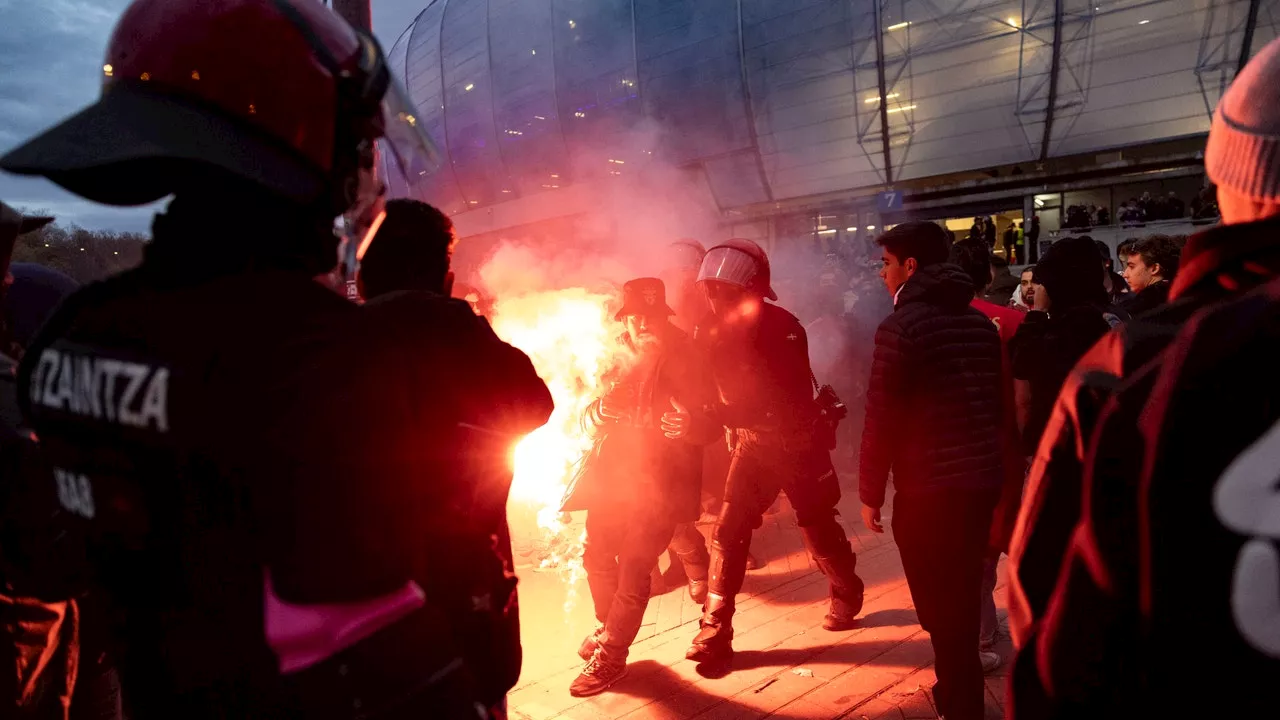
759	356
224	432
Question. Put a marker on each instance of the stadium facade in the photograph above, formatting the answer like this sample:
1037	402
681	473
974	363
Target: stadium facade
821	118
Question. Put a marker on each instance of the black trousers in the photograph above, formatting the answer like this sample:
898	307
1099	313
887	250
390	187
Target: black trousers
942	537
756	475
621	550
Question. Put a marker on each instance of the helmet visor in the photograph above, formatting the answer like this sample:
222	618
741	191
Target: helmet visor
728	265
404	136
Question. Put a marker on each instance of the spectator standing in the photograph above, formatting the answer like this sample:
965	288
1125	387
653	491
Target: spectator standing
977	231
475	396
1112	281
1031	251
974	261
1010	242
1065	321
934	420
1149	270
1024	296
1003	283
1171	406
989	233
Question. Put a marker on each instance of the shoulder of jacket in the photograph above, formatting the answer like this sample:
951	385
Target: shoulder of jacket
780	315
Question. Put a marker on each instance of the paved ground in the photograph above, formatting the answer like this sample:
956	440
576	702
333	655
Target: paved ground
786	665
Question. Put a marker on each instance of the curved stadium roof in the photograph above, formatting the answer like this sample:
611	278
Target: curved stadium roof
777	99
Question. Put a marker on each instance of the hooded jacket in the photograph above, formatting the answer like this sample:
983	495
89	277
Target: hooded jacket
1076	562
474	397
1047	345
934	402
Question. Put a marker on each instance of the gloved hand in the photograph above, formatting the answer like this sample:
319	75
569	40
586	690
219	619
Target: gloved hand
676	425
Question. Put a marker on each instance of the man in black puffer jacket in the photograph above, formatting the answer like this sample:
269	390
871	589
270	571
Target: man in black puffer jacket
934	418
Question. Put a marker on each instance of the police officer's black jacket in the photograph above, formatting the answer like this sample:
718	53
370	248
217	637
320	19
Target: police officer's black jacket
209	415
764	377
934	399
473	397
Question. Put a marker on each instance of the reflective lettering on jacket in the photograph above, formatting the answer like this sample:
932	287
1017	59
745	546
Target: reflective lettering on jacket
75	493
132	394
1245	500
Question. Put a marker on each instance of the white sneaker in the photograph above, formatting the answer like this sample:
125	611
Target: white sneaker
990	661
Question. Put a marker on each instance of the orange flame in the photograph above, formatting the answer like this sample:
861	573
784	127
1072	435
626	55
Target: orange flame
568	334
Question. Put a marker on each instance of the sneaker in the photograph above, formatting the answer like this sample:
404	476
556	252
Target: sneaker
753	563
990	662
589	645
599	675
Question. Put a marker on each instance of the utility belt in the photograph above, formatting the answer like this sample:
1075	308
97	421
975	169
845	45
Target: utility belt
788	442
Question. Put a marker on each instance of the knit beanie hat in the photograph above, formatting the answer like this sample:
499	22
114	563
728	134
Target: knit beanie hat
1243	153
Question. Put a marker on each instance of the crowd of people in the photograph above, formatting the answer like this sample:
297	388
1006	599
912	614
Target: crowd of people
231	493
1141	210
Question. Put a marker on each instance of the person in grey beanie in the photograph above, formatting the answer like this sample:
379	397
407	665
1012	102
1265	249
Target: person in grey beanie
1139	472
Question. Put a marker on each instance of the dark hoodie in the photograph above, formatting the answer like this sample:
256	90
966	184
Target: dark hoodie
1048	345
934	400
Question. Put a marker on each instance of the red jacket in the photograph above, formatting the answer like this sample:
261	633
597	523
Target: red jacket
1006	321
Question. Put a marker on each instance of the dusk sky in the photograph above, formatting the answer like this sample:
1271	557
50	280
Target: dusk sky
50	66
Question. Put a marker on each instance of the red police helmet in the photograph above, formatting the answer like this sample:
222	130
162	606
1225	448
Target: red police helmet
739	262
280	93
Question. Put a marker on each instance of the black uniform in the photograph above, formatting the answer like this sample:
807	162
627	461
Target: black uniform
766	392
211	419
474	396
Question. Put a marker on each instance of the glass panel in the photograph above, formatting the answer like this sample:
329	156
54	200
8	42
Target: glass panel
690	75
952	71
735	180
422	79
523	76
810	63
1150	71
597	92
469	92
1268	27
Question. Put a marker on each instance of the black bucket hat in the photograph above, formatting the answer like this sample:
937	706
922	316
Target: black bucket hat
644	296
